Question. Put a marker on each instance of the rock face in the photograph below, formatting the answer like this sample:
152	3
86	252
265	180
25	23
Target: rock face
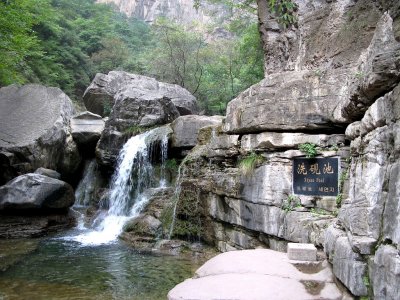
144	231
36	192
182	11
186	129
337	68
86	129
34	122
104	91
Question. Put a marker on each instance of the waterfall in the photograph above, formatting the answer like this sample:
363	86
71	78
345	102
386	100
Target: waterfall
177	193
86	186
133	175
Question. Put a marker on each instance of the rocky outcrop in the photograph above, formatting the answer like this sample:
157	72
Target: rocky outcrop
338	66
103	92
144	231
186	129
133	113
34	131
182	11
86	129
48	173
33	205
235	210
368	221
36	192
138	103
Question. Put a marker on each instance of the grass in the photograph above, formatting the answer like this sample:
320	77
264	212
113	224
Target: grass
249	163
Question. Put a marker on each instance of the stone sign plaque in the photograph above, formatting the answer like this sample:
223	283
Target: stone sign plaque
316	176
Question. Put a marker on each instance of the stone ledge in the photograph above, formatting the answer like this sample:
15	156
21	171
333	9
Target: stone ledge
303	252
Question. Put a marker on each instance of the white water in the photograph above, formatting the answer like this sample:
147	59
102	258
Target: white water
133	175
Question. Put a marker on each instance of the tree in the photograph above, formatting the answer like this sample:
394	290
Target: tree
18	41
176	57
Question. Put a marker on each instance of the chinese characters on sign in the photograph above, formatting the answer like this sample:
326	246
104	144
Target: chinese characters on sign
316	176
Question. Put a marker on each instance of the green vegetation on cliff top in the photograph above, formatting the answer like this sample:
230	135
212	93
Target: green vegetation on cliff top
64	43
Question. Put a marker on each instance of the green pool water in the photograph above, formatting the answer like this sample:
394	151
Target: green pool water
57	269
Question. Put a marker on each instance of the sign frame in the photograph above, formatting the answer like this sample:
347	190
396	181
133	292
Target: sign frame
318	176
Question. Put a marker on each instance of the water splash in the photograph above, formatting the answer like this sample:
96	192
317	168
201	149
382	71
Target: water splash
134	174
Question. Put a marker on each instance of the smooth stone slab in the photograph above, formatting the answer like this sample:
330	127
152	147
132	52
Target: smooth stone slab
257	274
303	252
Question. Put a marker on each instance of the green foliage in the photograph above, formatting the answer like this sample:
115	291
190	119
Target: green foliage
248	163
309	149
359	75
291	203
64	43
320	212
172	165
284	9
18	41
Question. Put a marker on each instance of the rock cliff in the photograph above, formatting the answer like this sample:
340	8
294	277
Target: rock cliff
181	11
336	68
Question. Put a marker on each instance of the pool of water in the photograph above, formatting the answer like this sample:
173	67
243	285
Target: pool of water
55	268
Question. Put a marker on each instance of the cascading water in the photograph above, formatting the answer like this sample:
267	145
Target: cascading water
134	174
86	187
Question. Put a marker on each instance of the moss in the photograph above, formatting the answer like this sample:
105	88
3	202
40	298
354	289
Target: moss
188	220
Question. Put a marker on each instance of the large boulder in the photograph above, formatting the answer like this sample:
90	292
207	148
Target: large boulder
100	96
186	129
34	126
134	111
36	192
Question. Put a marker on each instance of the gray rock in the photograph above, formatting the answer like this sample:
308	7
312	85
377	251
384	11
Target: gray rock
33	226
143	231
391	221
48	173
385	272
378	71
328	34
287	140
71	159
34	191
362	212
101	95
349	267
186	129
34	122
134	110
86	129
288	101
